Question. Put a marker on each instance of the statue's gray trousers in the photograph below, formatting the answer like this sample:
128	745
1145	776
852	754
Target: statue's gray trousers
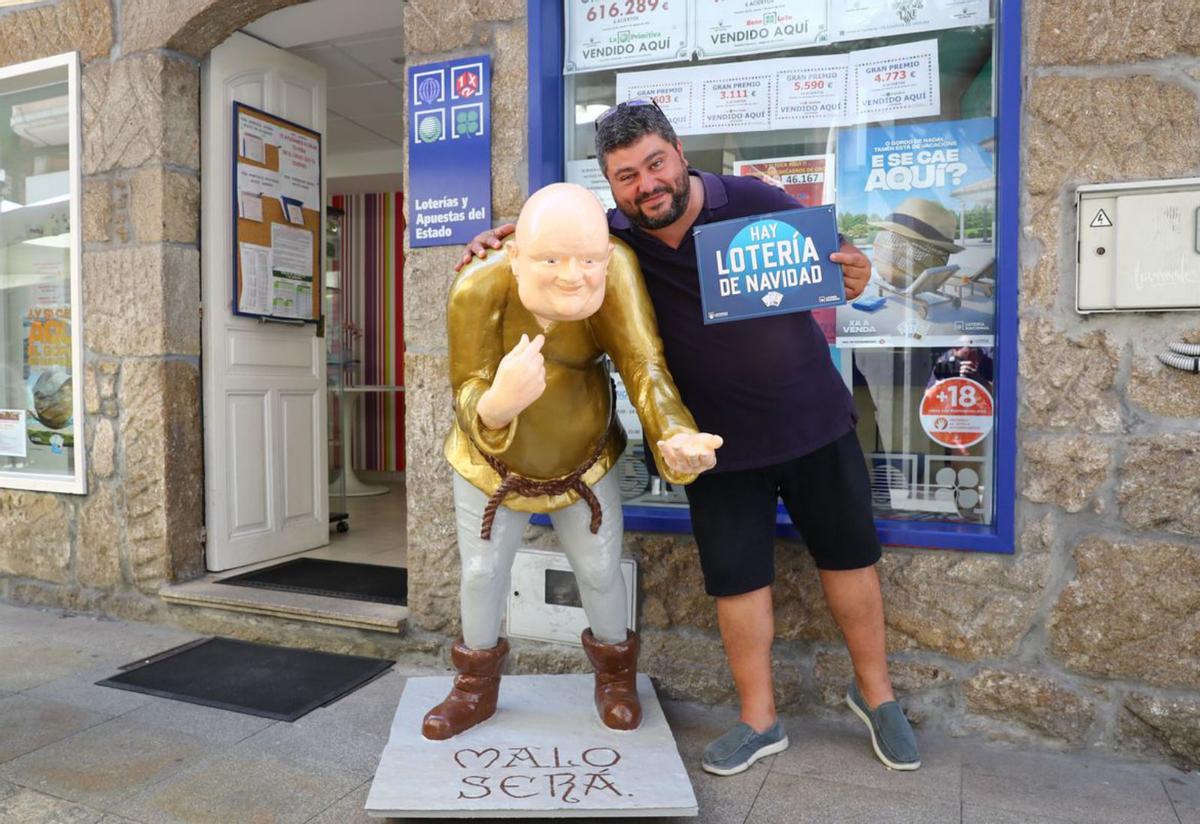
487	565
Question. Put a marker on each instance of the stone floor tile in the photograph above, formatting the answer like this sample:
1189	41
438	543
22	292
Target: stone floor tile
1183	787
369	709
209	723
1187	815
242	784
27	661
843	753
1064	786
330	743
1184	791
19	805
106	763
973	814
121	649
720	798
81	690
349	810
789	799
102	638
26	619
28	723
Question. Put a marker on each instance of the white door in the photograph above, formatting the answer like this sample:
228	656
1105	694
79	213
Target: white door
266	464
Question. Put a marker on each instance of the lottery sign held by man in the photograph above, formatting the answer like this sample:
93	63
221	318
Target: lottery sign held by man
769	264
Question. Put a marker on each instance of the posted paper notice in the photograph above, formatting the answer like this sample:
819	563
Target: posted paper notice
256	278
13	443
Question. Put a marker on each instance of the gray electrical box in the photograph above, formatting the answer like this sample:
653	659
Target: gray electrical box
1139	246
544	602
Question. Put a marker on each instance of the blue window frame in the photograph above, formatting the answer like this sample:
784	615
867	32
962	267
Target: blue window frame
547	161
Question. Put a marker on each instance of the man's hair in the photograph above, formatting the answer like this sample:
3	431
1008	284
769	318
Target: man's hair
626	125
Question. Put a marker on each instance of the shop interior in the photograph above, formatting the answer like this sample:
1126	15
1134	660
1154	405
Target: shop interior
363	57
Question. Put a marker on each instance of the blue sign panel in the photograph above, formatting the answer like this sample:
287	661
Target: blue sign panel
449	151
768	264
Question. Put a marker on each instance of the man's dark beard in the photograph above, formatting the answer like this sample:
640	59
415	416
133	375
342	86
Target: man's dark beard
680	195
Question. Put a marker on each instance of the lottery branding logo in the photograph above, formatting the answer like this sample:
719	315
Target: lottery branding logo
466	84
429	129
429	90
468	121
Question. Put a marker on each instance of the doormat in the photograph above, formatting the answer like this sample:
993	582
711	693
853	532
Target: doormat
256	679
335	579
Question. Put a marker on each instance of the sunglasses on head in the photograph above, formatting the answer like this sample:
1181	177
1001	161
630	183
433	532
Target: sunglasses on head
628	104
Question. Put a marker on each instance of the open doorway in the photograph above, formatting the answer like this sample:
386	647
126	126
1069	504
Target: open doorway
363	59
304	412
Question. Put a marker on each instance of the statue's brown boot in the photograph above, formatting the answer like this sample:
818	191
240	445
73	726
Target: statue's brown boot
616	680
473	698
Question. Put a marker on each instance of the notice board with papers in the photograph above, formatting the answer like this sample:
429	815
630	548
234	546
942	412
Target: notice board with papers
276	217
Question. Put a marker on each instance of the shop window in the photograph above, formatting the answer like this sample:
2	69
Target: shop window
41	393
906	122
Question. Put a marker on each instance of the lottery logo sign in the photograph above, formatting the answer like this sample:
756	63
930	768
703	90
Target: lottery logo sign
449	145
430	128
429	87
466	84
466	81
957	412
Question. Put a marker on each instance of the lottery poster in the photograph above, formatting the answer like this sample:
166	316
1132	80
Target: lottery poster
608	34
809	179
748	26
889	83
858	19
919	200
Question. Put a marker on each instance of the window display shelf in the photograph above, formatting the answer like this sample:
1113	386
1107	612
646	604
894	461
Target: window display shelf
35	221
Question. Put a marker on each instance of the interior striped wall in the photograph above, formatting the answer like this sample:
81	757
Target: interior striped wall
373	252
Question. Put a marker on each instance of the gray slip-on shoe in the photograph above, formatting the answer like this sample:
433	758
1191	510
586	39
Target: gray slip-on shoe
891	735
737	749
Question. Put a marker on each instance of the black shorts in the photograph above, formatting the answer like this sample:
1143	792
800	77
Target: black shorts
828	495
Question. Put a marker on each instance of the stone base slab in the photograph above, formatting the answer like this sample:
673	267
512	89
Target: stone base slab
543	754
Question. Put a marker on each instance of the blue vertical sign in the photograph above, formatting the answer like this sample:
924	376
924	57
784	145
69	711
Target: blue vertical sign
449	151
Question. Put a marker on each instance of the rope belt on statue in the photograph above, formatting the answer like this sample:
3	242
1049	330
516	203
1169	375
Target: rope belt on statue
530	488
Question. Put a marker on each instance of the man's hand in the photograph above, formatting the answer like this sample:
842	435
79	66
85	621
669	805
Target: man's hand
520	380
489	239
690	453
856	269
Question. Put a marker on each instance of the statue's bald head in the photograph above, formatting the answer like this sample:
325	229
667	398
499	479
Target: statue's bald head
562	207
560	253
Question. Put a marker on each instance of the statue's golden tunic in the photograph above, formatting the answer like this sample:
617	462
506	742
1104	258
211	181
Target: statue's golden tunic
559	431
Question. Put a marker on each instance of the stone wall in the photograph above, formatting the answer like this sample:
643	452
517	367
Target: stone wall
140	523
1088	635
440	30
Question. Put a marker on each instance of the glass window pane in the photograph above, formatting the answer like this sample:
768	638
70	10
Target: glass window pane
37	416
917	194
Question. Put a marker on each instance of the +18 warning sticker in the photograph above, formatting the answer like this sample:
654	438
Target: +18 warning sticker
957	412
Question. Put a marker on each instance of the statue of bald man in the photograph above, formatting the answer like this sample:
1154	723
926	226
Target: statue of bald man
535	430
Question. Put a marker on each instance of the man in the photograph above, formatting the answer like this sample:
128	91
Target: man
535	431
768	387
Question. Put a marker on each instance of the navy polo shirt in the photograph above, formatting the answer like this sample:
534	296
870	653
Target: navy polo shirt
768	385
